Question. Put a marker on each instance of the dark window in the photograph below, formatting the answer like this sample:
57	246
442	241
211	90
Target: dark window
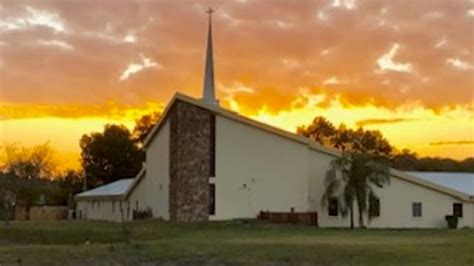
113	206
212	159
417	209
374	208
457	209
212	199
333	207
136	205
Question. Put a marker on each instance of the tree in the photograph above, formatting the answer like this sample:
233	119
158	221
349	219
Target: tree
7	197
69	183
27	173
110	155
27	191
28	163
346	139
405	160
352	179
320	130
144	125
371	142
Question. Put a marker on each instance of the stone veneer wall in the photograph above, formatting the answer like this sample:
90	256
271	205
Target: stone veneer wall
190	154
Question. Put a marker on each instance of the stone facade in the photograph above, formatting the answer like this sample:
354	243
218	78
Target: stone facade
191	147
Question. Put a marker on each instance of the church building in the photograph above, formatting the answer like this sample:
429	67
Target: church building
206	163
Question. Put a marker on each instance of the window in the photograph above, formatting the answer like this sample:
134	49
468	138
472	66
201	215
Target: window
212	199
333	207
113	206
374	207
416	209
136	205
457	209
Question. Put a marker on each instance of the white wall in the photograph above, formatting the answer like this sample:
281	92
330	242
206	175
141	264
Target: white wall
396	207
153	190
319	163
396	201
257	171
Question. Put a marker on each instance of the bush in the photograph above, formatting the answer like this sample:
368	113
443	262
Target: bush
452	221
142	214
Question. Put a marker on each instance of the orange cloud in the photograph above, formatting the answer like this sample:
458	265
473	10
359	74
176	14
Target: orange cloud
109	110
60	70
452	142
55	56
372	121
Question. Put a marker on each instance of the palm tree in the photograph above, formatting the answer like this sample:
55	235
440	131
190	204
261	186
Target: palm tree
352	179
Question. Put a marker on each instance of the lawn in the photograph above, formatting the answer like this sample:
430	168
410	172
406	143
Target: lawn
101	243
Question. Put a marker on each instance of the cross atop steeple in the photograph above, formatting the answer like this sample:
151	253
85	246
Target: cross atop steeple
208	92
210	11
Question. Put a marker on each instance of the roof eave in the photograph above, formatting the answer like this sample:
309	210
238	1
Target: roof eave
430	185
99	197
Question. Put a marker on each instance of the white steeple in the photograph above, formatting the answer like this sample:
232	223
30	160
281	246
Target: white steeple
208	92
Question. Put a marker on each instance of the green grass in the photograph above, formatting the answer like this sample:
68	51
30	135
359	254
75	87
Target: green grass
86	243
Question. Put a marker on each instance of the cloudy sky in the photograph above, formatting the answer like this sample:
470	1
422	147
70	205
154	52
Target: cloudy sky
403	67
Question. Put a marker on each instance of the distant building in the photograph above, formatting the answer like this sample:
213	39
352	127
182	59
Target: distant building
204	162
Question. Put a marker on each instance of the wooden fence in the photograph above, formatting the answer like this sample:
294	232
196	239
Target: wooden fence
41	213
308	218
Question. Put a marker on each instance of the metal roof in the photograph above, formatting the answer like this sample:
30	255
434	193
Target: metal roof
115	188
462	182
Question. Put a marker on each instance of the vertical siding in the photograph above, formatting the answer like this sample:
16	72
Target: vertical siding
102	210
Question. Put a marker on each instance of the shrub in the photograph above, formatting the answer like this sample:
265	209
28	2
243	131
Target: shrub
142	214
452	221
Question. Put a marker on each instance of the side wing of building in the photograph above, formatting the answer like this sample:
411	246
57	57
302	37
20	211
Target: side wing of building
152	190
404	203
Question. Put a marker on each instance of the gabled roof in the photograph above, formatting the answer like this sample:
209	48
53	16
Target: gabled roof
114	189
117	190
462	182
431	185
241	119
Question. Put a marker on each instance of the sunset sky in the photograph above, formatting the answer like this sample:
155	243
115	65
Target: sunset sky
403	67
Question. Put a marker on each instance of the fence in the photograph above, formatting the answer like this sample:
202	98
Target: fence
41	213
308	218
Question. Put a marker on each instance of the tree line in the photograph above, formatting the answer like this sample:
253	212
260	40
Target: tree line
377	146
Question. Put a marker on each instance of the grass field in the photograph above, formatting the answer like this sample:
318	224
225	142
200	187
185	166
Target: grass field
101	243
